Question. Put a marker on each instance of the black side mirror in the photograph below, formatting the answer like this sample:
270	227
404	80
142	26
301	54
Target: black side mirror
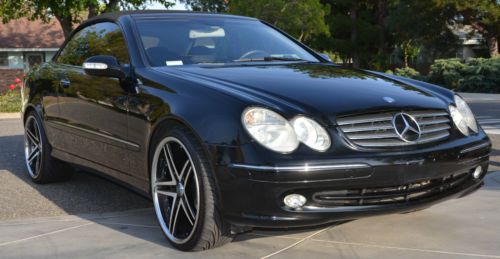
102	65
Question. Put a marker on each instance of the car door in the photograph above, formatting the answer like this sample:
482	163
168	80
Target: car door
93	109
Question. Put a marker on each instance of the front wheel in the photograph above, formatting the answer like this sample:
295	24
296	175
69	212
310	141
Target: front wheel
183	189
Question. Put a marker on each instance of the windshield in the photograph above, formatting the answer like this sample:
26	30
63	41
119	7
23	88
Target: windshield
179	41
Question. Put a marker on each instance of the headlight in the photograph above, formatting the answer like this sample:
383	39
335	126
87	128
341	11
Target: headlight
463	117
311	133
270	129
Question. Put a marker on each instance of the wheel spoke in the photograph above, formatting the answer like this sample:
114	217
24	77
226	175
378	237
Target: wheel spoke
31	136
186	171
167	183
174	215
191	215
34	154
167	193
170	163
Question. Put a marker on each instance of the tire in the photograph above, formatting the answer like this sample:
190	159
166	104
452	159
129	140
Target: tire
184	192
42	167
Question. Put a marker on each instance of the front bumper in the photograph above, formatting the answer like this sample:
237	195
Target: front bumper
253	195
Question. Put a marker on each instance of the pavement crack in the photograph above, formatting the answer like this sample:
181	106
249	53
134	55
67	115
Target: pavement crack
45	234
296	243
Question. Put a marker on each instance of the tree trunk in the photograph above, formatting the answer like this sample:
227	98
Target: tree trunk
66	23
493	46
92	10
111	6
406	57
354	33
381	14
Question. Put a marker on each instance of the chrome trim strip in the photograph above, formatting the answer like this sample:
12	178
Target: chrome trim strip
476	147
304	168
97	134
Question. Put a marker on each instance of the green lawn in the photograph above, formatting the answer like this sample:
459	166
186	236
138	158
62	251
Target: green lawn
10	101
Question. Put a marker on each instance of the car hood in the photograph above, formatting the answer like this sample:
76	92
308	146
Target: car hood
322	88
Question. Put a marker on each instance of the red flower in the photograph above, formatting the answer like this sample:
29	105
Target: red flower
17	80
12	87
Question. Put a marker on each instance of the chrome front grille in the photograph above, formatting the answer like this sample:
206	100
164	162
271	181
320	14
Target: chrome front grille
377	130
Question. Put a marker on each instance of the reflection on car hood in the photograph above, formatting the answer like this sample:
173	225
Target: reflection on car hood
325	88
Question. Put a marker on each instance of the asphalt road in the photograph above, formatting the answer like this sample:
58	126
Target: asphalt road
92	217
85	193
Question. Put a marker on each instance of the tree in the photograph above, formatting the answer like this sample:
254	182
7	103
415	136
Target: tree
353	31
303	19
67	12
415	26
216	6
482	15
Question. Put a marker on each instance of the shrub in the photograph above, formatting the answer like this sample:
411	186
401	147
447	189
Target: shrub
446	72
477	75
10	101
481	75
406	72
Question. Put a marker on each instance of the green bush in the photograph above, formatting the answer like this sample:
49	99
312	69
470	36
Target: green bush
10	101
446	72
477	75
406	72
481	75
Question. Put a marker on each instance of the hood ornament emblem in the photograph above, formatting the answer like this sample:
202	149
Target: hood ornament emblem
389	99
406	127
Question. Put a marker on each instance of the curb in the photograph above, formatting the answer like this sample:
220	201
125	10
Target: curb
14	115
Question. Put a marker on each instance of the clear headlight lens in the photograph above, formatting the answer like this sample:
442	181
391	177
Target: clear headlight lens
270	129
311	133
463	117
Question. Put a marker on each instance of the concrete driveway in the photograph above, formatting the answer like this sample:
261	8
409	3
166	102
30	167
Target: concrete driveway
92	217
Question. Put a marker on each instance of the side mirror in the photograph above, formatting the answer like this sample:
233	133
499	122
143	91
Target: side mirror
102	65
325	56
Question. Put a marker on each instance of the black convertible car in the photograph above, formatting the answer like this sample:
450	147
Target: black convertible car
229	123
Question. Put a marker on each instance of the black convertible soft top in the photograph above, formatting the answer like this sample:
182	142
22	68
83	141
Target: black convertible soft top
114	16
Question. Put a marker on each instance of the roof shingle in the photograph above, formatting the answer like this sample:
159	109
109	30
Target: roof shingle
22	33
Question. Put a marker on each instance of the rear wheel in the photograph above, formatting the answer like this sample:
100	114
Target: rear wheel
42	167
183	191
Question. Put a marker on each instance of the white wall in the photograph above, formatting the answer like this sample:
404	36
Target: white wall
16	59
49	55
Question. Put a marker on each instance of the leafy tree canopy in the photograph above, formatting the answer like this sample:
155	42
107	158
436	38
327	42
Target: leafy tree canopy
67	12
301	18
206	5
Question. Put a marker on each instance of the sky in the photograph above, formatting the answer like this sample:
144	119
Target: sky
177	6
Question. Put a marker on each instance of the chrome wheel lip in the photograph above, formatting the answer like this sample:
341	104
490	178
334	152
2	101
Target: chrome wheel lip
32	143
158	210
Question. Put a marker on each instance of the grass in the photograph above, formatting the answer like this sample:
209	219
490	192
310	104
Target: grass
10	101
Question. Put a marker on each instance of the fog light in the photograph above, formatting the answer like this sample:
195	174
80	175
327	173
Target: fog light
295	201
477	172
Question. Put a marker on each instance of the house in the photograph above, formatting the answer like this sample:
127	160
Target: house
25	43
470	42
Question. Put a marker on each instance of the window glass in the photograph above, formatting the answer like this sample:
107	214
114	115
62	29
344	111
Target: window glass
214	40
4	59
98	39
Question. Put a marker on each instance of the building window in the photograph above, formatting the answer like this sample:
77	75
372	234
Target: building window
4	59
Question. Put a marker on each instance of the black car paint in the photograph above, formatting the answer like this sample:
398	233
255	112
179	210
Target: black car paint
113	133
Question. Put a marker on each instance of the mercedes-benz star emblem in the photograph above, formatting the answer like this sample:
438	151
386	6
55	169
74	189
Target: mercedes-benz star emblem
389	99
406	127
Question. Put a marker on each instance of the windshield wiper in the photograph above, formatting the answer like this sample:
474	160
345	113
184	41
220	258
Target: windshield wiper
270	58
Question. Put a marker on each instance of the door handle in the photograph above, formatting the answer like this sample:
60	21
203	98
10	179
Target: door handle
64	83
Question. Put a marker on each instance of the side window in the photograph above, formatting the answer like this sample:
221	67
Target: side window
99	39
